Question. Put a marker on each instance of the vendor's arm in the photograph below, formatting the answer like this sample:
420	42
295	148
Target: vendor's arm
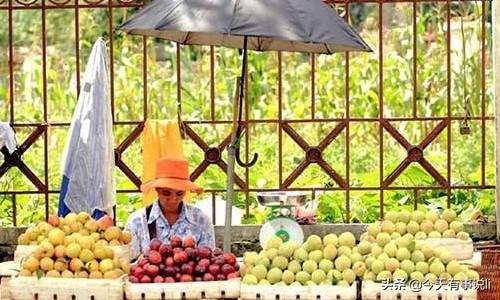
135	226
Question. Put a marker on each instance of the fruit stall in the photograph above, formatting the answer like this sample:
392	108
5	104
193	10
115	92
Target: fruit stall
408	255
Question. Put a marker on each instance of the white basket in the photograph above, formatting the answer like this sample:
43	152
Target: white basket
274	292
459	249
183	290
376	291
9	268
30	288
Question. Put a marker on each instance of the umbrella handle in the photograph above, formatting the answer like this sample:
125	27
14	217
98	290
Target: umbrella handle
238	158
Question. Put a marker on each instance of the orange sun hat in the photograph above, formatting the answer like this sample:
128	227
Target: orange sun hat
172	173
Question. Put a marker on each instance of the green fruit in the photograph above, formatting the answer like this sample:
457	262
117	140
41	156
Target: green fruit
359	268
334	276
330	239
326	265
395	235
400	228
445	257
404	216
364	247
318	276
330	252
313	243
271	253
426	226
355	257
432	216
472	275
437	268
449	215
420	235
295	283
316	255
342	262
441	225
287	249
445	277
391	264
422	267
344	250
383	239
347	239
281	283
294	266
453	267
264	261
376	250
273	242
434	235
427	251
300	255
384	275
403	254
349	276
309	266
264	282
391	249
460	276
369	260
399	274
412	227
417	276
388	227
250	258
457	226
430	277
417	216
274	275
391	216
369	276
343	283
373	229
408	266
449	233
250	279
280	262
377	266
463	236
417	256
383	257
259	271
403	242
302	277
288	277
311	283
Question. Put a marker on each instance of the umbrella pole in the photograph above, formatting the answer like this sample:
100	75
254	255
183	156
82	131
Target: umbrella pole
235	135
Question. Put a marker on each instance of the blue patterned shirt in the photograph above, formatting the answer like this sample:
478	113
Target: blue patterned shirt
192	221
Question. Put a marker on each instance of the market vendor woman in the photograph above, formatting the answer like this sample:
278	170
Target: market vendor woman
169	215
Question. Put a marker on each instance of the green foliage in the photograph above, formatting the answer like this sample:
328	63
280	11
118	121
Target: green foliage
329	95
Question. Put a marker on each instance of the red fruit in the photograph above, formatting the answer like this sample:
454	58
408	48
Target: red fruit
177	250
155	244
219	261
154	257
169	261
142	262
186	278
214	269
165	250
197	278
191	253
175	241
137	273
189	242
226	269
208	277
186	269
205	262
145	252
237	267
177	276
169	279
199	270
233	275
204	252
180	258
158	279
162	268
229	258
170	271
145	279
152	270
220	277
217	251
133	279
191	263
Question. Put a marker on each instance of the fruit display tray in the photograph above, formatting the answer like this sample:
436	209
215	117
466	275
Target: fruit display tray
459	249
376	291
183	290
321	292
23	251
30	288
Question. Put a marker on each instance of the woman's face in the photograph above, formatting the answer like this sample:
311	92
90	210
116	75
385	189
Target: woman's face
170	198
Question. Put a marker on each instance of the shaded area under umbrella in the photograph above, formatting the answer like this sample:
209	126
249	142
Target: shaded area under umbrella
309	26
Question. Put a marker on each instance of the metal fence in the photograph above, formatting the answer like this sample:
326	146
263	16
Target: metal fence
312	154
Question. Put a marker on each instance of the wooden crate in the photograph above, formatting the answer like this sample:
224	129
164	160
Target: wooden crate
459	249
375	291
32	288
321	292
183	290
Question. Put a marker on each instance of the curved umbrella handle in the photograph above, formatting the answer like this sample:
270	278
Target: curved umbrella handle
238	158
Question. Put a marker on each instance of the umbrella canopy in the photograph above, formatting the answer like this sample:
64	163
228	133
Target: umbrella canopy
289	25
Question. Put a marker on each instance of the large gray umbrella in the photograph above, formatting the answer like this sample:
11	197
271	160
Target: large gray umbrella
283	25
